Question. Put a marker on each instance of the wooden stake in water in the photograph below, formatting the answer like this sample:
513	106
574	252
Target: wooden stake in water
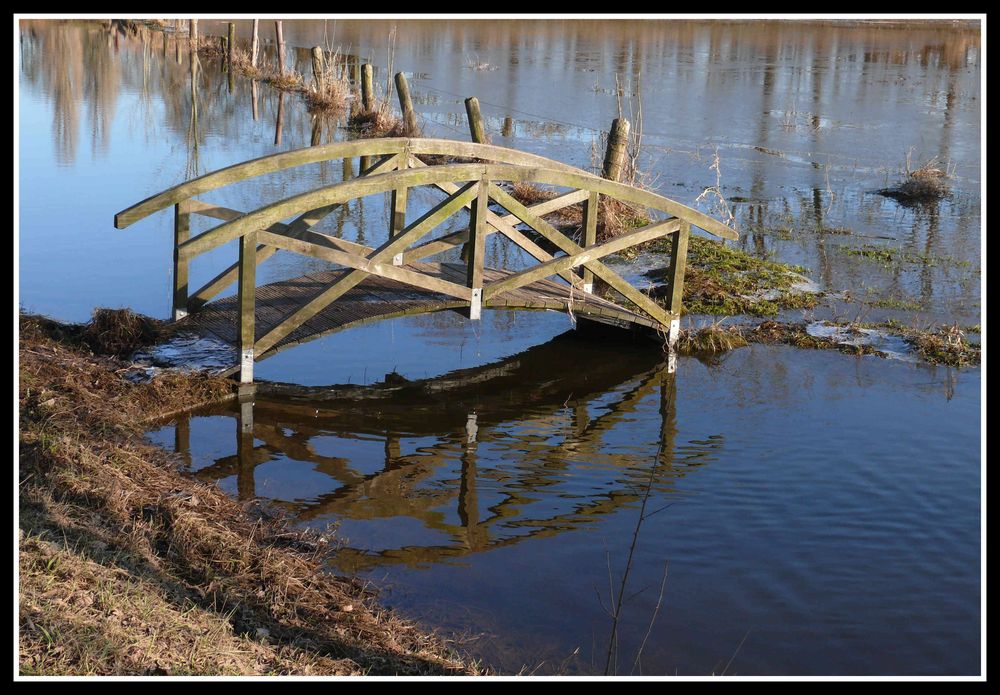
254	43
367	88
614	156
281	48
231	45
317	61
475	120
508	127
405	104
193	31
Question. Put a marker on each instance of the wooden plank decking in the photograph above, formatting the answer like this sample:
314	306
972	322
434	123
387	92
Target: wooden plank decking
378	298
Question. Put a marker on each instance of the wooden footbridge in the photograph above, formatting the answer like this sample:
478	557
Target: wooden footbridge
394	279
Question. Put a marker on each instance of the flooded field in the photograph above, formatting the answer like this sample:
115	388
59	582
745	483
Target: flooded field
779	511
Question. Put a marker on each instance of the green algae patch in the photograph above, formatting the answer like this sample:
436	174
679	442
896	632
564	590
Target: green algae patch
722	280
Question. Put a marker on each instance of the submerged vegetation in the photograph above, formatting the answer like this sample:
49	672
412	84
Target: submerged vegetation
128	567
944	345
725	281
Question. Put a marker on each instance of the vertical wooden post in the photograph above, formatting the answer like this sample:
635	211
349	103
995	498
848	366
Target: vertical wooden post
398	222
405	104
508	127
475	120
255	43
224	47
317	62
247	287
253	99
367	89
675	276
317	132
182	232
614	156
280	47
193	31
590	208
477	248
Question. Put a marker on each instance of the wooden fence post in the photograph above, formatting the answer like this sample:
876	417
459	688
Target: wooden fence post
317	62
405	104
614	156
367	90
475	120
280	48
255	43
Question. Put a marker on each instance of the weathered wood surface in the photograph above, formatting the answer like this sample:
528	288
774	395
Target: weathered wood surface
377	298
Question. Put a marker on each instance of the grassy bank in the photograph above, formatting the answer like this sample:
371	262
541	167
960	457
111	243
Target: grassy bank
128	567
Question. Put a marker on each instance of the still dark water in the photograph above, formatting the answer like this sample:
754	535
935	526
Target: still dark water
812	513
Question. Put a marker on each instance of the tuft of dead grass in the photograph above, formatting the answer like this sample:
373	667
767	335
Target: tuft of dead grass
945	345
380	122
926	183
120	332
128	567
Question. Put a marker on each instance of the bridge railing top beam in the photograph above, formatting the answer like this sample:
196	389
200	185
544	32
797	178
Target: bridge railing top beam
267	215
322	153
505	164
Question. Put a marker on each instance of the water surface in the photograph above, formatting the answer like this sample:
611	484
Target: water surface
813	513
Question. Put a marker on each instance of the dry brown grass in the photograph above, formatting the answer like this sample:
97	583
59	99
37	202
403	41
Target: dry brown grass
120	331
945	345
129	567
380	122
923	184
614	217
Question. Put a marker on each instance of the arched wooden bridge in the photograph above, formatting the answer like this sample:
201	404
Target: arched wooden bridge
393	279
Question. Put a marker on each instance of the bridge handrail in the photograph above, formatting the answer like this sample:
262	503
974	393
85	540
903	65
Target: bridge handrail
265	216
311	155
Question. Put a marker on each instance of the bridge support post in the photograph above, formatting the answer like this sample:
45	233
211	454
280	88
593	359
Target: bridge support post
247	286
182	231
477	248
675	271
590	207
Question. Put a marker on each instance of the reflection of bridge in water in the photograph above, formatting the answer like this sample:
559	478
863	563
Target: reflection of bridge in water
517	433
